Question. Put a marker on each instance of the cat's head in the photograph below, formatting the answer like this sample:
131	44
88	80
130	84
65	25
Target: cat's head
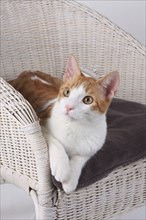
82	97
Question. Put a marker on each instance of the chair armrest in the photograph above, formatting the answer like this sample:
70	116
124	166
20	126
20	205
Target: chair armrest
24	153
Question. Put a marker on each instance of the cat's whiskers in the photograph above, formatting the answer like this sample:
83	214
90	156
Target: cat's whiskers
48	103
45	105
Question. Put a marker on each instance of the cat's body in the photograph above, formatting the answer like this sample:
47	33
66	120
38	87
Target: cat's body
76	128
39	89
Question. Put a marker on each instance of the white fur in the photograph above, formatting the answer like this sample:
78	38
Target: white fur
74	137
41	80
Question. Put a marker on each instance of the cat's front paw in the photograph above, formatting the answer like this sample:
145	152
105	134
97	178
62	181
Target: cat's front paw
60	168
69	186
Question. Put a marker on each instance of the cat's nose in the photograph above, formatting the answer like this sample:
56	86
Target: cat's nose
69	107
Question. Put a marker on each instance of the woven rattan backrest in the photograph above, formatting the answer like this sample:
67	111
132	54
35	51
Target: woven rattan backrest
41	35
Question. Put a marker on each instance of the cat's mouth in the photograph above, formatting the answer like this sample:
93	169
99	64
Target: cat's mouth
70	115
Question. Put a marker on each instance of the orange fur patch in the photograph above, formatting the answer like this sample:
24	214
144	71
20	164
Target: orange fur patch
37	92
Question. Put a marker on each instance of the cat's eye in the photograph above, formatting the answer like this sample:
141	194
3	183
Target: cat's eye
66	92
88	100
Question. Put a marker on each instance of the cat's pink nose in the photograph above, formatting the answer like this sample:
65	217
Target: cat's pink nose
69	108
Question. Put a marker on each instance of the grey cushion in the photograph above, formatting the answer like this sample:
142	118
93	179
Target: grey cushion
125	142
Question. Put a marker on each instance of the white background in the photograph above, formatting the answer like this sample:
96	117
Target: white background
127	14
130	16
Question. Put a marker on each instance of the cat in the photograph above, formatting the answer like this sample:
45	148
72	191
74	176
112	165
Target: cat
73	116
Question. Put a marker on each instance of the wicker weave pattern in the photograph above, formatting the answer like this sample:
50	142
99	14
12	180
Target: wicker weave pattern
122	188
16	153
39	35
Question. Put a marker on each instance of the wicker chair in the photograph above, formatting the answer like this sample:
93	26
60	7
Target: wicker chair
39	35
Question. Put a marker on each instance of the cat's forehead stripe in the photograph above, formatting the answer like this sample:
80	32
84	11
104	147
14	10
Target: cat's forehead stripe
78	91
87	83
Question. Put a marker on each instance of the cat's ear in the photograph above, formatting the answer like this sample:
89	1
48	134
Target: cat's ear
72	68
109	84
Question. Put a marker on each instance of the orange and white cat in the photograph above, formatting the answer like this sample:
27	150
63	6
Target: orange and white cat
76	128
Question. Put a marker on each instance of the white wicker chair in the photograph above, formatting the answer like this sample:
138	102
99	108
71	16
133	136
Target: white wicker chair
39	35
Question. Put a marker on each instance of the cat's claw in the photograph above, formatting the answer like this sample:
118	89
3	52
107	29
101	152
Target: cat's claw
61	174
69	186
60	169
